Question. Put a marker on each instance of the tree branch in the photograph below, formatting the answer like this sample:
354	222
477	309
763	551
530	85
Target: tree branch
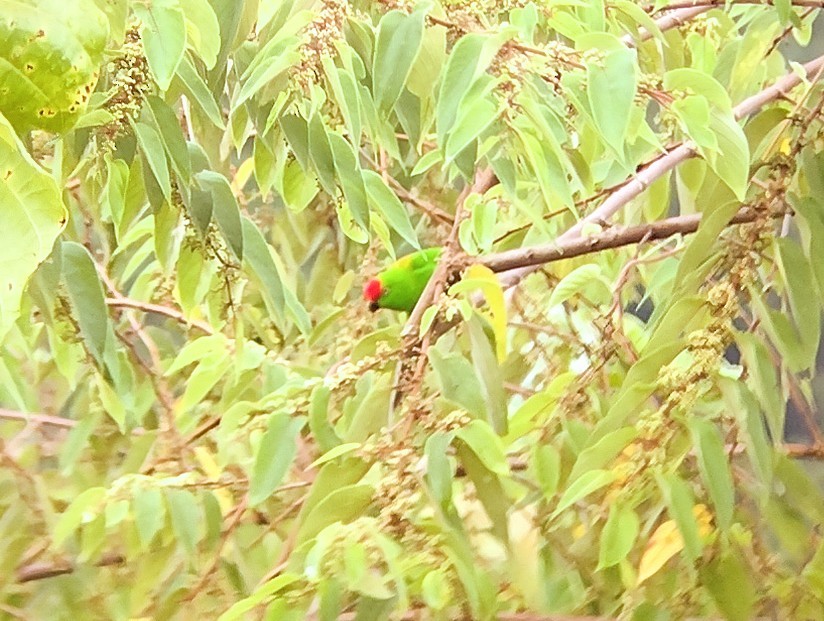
615	237
157	309
41	419
413	361
668	21
43	570
709	4
665	163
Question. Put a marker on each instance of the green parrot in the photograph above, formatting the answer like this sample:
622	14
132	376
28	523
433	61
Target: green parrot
399	286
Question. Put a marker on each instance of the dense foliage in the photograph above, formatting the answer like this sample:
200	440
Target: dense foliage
584	415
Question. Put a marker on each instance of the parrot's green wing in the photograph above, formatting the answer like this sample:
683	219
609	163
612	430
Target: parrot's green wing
405	280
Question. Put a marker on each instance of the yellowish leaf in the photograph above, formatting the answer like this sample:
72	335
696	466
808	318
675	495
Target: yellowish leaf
704	519
481	277
244	172
664	543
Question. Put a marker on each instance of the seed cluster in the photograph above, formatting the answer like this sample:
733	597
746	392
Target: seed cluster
131	83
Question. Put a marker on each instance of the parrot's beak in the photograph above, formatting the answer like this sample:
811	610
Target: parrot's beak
373	306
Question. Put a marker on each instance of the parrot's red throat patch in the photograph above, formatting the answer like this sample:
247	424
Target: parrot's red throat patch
372	290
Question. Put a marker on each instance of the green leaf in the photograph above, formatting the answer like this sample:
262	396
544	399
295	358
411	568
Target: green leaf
240	608
198	91
542	403
479	276
111	402
279	59
345	93
715	469
694	114
468	61
319	424
86	297
259	260
546	461
296	130
488	487
698	83
164	37
458	382
398	42
49	61
474	115
618	536
680	503
226	211
760	450
799	279
171	134
341	505
187	518
489	372
151	145
275	454
334	453
549	172
372	412
384	201
782	334
486	445
320	152
83	508
198	350
732	162
438	469
33	215
149	514
350	177
203	29
583	486
603	451
611	86
731	585
574	282
427	161
763	380
437	590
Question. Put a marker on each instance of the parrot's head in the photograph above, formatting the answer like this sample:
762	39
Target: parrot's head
372	292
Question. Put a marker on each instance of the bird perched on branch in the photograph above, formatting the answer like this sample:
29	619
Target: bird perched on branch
400	285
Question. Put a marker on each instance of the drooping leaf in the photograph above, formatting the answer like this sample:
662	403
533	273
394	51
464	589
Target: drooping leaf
396	48
32	216
618	536
164	37
275	454
225	208
715	469
611	85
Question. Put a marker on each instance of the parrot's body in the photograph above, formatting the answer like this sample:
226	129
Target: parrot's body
400	285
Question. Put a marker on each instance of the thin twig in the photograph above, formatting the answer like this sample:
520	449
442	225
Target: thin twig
43	570
40	419
668	21
786	32
157	309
